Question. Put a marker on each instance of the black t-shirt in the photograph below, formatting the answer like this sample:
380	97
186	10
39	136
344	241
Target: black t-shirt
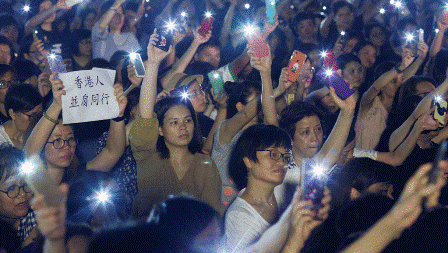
205	124
57	42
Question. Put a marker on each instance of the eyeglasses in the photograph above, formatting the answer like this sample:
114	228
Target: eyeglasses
310	70
14	190
60	143
276	155
6	84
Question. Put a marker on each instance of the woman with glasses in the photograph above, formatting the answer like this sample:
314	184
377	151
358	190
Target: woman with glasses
81	49
15	196
56	141
22	102
7	78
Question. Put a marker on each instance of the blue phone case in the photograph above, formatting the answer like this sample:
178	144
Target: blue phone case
270	11
56	64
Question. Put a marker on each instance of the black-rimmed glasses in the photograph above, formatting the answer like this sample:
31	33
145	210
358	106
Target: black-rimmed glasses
276	155
14	190
60	143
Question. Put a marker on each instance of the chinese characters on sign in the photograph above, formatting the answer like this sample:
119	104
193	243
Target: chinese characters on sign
90	96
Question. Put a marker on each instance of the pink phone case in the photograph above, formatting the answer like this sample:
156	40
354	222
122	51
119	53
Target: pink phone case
258	45
330	60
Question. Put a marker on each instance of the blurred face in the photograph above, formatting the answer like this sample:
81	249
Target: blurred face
353	74
6	81
346	154
424	88
391	87
349	45
117	20
63	157
308	137
197	97
11	33
5	54
17	207
178	127
328	102
22	119
89	21
267	169
377	36
45	5
344	18
306	76
316	60
85	47
306	30
210	55
367	55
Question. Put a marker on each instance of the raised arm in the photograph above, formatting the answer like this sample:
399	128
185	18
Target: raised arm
226	27
42	16
165	14
105	19
116	138
436	46
148	91
220	117
183	62
325	25
39	136
333	146
413	68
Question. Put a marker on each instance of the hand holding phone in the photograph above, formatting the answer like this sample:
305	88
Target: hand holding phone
331	78
313	184
216	81
166	35
136	60
270	11
295	65
441	154
56	64
206	26
441	109
257	44
330	59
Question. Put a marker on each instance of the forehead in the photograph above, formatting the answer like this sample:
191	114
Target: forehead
367	49
178	111
7	76
353	65
194	86
308	121
61	130
210	50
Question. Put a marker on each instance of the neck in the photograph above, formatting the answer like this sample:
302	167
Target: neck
46	27
297	157
56	173
12	221
13	133
2	109
178	154
259	191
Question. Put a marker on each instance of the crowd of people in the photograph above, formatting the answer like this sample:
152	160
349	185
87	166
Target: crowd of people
217	147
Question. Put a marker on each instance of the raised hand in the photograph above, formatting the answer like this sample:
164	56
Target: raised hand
43	84
262	64
57	87
121	99
162	94
199	39
349	104
269	28
136	81
422	49
283	82
220	99
156	55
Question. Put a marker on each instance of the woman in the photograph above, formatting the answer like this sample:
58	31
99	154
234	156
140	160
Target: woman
258	164
22	102
56	141
7	79
81	49
165	143
107	37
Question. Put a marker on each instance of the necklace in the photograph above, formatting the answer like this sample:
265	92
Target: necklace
267	203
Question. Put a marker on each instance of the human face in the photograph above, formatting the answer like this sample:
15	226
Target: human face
197	97
85	47
178	127
349	45
353	74
5	54
211	55
45	5
316	60
17	207
344	18
306	76
424	88
22	119
377	36
367	55
89	21
308	137
267	169
63	157
328	102
7	79
11	33
306	30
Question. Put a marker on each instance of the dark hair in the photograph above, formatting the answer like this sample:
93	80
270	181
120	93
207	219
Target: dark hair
440	66
409	88
341	4
345	59
22	98
239	92
256	137
76	37
161	108
105	7
362	44
295	112
8	20
395	38
84	13
25	46
99	63
5	68
133	100
116	57
10	241
178	221
303	15
383	68
368	28
212	42
10	160
26	68
358	173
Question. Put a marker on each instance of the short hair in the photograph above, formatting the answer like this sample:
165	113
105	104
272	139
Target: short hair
303	15
26	68
345	59
256	137
161	108
10	160
239	92
22	98
5	68
76	37
383	68
8	20
362	44
295	112
341	4
212	42
99	63
84	13
368	28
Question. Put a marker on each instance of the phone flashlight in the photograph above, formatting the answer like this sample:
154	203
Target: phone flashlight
382	11
247	6
52	56
183	14
133	56
249	29
324	8
328	72
409	37
208	14
170	25
26	8
102	196
343	33
323	54
185	95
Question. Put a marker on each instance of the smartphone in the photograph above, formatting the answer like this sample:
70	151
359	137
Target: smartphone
165	38
257	44
343	39
56	64
40	181
216	81
70	3
270	11
330	60
136	59
39	35
441	109
421	34
206	26
313	185
341	87
295	65
441	154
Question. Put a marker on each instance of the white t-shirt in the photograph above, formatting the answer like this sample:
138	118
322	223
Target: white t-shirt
4	138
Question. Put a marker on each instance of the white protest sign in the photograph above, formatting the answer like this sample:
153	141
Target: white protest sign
89	96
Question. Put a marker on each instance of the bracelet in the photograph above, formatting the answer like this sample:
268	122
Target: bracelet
359	153
118	119
50	119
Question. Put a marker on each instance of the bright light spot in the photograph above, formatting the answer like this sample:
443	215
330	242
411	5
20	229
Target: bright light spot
324	8
409	37
437	30
183	14
247	6
208	14
392	2
170	25
102	196
291	7
328	72
249	30
206	162
342	33
26	8
216	75
133	56
318	171
382	11
147	1
27	167
323	54
185	95
52	56
272	2
398	4
35	31
437	98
